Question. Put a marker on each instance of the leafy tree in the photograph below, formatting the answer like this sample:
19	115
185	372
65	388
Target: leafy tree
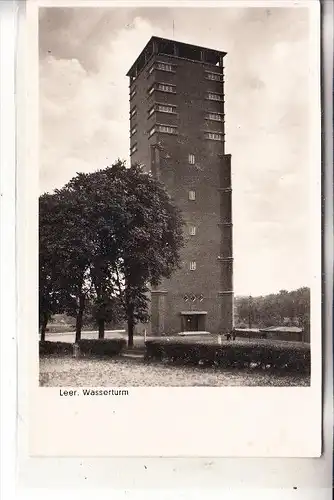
283	308
92	211
106	310
64	249
124	233
150	236
54	297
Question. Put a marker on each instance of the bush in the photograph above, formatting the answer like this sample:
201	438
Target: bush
274	355
59	348
101	347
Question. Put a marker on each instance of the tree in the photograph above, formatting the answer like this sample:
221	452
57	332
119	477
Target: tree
129	236
54	297
302	299
64	249
150	236
92	211
276	309
106	310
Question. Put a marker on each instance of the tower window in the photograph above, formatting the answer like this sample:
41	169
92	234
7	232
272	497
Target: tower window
214	136
165	109
133	149
218	77
133	112
163	87
162	108
217	117
166	129
192	195
214	96
164	66
133	92
192	230
191	159
133	131
192	265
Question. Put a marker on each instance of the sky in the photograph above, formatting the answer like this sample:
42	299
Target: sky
85	54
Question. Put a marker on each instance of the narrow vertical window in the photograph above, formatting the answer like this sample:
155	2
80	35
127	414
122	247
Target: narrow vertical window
192	195
191	159
151	132
192	230
133	149
192	265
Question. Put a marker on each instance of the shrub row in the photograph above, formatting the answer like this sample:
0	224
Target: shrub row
101	347
275	355
97	347
60	348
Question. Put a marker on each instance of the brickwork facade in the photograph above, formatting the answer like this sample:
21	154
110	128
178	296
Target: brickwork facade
177	129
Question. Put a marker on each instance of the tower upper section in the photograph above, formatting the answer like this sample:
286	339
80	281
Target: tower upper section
176	102
163	46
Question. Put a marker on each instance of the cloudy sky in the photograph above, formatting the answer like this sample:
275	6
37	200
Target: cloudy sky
84	56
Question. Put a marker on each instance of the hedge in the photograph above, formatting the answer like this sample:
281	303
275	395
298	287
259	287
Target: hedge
266	354
97	347
101	347
60	348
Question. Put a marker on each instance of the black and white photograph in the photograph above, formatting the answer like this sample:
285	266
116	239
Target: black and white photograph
175	178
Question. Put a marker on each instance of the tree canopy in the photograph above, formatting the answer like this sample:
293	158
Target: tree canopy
283	308
108	234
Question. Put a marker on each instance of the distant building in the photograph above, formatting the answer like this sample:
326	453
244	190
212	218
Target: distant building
247	333
292	333
177	129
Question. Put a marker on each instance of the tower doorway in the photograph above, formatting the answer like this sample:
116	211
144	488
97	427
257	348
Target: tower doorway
190	323
193	321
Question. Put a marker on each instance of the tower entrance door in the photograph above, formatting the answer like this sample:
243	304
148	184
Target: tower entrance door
193	321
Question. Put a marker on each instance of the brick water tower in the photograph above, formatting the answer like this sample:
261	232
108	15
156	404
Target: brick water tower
177	131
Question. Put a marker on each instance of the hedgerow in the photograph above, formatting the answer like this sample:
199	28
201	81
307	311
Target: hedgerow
265	354
94	347
101	347
59	348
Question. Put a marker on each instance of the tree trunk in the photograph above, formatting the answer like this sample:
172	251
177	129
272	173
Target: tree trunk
78	325
44	325
130	330
101	328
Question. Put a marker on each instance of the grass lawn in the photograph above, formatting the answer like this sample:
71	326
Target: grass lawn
125	372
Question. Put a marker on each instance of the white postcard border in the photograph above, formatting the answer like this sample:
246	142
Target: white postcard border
283	416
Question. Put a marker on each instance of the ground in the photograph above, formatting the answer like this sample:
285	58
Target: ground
127	372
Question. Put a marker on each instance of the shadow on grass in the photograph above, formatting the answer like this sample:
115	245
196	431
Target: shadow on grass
167	365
